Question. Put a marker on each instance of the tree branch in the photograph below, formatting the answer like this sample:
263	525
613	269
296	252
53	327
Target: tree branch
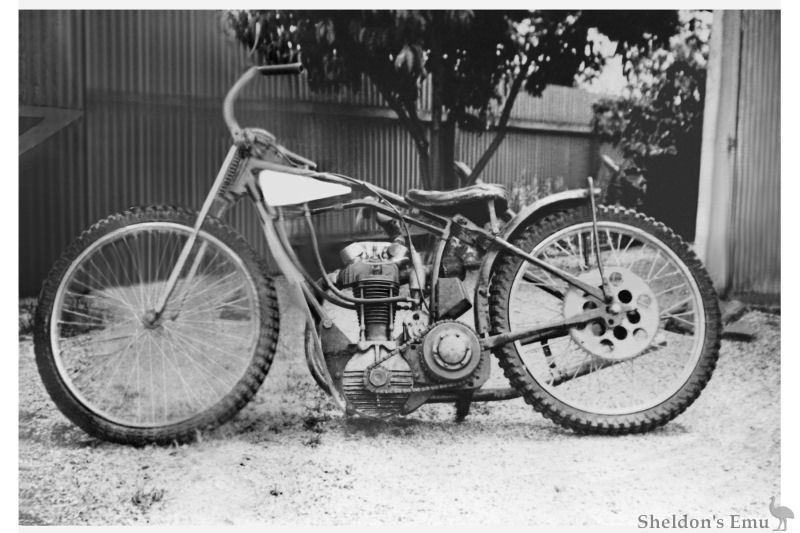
408	116
423	147
501	126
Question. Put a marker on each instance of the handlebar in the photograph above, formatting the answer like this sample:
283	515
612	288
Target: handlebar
274	70
296	158
244	79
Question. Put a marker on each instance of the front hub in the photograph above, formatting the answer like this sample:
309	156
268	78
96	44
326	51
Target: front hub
629	321
151	320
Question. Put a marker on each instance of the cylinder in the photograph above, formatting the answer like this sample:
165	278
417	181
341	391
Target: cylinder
377	319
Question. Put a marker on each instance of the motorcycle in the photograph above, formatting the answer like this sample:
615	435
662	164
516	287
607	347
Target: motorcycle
159	322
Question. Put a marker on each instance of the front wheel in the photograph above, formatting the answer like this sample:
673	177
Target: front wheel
125	376
649	355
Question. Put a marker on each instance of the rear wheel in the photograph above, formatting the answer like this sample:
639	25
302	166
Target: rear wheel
123	376
649	355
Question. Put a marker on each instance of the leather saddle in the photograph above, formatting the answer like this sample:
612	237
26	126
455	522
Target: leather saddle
446	200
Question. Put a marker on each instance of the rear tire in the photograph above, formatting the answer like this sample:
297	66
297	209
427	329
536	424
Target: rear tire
186	352
536	377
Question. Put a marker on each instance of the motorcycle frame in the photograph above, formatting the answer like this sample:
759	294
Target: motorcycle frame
237	177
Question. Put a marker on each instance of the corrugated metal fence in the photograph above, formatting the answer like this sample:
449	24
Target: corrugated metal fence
150	85
755	243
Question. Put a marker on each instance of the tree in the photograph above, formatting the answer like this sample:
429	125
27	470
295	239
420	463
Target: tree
663	101
657	122
478	61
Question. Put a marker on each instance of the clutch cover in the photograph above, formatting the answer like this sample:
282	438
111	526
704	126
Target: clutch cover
451	351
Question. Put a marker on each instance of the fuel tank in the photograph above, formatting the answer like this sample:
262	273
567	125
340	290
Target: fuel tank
284	188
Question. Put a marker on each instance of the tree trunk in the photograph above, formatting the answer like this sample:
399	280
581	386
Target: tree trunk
442	131
447	142
424	169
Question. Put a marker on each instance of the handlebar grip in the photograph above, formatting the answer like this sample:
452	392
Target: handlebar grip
274	70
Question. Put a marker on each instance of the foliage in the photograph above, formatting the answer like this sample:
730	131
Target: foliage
530	187
663	103
478	60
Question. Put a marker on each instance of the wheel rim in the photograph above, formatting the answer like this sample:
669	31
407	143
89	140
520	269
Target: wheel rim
577	373
126	369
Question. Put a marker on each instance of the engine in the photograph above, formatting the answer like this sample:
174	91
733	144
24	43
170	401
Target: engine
378	379
373	272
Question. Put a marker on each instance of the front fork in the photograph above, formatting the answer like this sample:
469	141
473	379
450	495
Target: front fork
154	315
316	360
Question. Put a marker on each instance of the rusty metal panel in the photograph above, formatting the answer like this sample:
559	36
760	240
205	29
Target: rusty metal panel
51	58
755	243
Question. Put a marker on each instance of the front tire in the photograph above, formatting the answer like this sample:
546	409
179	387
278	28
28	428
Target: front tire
123	377
625	373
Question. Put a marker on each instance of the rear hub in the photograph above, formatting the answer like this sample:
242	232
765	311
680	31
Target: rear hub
629	321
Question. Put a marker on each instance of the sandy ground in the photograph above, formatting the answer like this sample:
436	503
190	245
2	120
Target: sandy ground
290	458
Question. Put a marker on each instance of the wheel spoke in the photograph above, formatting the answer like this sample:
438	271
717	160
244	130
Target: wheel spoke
611	245
670	289
677	305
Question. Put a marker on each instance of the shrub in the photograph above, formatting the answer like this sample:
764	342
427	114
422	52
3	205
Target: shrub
663	102
657	122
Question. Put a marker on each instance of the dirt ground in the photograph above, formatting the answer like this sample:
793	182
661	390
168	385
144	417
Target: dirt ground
289	458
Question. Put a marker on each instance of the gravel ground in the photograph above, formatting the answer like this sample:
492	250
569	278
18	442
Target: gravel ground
290	458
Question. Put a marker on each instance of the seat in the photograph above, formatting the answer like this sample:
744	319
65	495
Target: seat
481	192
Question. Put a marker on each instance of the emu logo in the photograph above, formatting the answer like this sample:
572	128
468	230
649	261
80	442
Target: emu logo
781	513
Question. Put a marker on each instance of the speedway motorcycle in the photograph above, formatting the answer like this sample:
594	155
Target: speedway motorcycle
159	322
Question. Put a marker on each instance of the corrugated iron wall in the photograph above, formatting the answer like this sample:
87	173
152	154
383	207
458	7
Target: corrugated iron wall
756	222
151	86
53	187
51	66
